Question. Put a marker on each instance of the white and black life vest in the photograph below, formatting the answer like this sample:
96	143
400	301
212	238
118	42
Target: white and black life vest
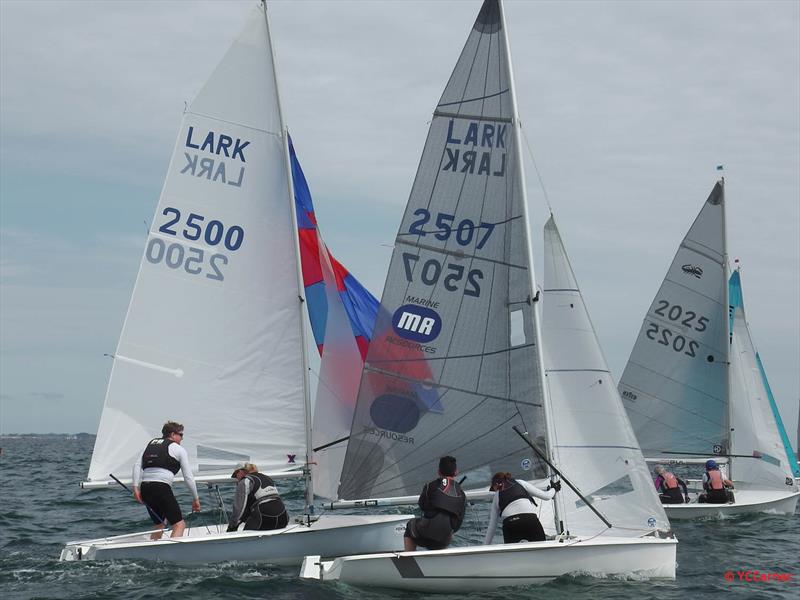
262	489
156	455
511	493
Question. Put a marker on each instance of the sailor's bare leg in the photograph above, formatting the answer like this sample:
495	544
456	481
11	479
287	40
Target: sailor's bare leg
409	545
156	535
177	529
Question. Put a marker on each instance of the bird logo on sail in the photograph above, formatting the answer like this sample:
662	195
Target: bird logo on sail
692	270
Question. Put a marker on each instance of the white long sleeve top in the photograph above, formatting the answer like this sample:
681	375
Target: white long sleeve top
523	505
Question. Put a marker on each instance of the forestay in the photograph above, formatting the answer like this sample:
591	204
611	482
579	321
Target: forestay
452	363
592	439
674	386
212	337
755	427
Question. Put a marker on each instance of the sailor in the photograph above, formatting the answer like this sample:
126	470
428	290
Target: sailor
153	475
443	503
668	488
514	505
256	502
715	485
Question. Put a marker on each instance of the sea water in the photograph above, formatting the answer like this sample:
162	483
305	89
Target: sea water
42	507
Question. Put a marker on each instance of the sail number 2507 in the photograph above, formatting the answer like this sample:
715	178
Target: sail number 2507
465	231
451	275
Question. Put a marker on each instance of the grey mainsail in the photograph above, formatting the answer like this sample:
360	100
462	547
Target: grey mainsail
675	383
452	365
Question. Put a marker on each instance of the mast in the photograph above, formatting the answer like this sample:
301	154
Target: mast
726	278
309	508
536	312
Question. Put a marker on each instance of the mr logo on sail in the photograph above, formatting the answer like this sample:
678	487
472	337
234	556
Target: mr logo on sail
417	323
215	169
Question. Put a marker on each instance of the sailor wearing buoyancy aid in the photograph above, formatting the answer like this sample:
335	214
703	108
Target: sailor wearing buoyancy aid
715	485
669	487
153	475
514	506
443	504
256	502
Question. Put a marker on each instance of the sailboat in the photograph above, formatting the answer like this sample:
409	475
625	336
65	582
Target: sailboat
215	334
476	380
694	386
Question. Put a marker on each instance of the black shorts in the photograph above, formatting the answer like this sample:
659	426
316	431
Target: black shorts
267	516
160	502
524	527
413	532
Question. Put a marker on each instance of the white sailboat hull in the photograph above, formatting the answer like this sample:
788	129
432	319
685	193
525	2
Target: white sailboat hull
747	502
482	568
329	536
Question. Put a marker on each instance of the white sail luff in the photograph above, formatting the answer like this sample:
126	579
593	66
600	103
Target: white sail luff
536	312
299	269
727	363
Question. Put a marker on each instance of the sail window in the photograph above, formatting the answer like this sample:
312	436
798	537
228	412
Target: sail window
517	328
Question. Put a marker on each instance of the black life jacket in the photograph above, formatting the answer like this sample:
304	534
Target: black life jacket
512	492
262	489
445	495
156	455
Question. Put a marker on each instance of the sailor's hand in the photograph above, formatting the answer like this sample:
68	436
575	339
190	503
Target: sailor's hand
196	505
555	485
137	495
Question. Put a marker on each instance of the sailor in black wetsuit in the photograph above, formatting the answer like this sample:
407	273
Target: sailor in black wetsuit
443	504
256	503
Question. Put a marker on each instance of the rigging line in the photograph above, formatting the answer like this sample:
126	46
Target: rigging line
673	380
427	359
536	167
482	98
435	231
322	381
435	384
630	409
359	438
524	436
451	451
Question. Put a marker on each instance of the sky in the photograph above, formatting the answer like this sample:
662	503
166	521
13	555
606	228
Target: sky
628	108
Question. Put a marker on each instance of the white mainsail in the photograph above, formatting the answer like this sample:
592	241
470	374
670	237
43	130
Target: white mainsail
674	386
212	337
592	438
759	458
